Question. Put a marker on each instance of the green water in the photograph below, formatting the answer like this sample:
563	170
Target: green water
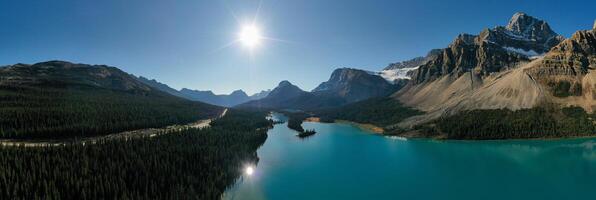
344	162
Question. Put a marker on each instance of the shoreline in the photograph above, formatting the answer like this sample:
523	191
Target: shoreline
416	135
413	134
367	127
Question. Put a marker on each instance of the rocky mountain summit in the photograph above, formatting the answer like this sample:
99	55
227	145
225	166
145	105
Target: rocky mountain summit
346	85
491	51
281	97
355	85
482	72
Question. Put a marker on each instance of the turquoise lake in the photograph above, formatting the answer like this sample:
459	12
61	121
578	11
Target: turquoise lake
342	161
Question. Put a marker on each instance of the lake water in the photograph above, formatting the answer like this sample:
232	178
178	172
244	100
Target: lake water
343	162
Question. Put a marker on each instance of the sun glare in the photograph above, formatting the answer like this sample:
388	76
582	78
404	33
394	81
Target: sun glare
249	170
250	36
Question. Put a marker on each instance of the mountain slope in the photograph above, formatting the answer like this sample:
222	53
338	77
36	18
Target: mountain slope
481	72
355	85
160	86
59	99
260	95
568	71
493	50
279	98
564	78
395	72
344	86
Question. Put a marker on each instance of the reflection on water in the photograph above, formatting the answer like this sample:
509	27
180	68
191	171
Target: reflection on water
342	162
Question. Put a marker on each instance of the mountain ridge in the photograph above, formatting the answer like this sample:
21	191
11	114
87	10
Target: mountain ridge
562	76
227	100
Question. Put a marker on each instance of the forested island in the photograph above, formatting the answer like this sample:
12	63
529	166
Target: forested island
197	163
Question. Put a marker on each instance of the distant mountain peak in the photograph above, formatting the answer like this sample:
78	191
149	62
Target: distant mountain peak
355	85
529	27
208	92
284	83
238	93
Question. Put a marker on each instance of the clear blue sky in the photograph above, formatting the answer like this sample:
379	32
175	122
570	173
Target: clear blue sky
180	43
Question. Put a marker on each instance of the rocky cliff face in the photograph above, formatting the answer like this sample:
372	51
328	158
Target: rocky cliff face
355	85
482	72
569	70
493	50
397	73
415	62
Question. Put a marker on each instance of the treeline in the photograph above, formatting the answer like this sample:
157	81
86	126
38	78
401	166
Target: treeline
187	164
382	111
53	112
541	122
295	120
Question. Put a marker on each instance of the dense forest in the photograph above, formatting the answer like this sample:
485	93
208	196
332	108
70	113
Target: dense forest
42	112
188	164
381	112
541	122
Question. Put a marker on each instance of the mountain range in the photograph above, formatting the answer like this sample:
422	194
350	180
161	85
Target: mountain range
226	100
522	65
346	85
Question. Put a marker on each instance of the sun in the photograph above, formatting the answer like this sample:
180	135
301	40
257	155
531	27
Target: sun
249	170
250	36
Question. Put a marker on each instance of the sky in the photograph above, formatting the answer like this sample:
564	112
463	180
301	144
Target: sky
191	43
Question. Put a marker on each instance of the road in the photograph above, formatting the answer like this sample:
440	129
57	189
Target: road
127	135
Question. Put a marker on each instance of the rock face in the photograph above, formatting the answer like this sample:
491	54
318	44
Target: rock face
66	74
415	62
398	72
494	71
491	51
569	70
355	85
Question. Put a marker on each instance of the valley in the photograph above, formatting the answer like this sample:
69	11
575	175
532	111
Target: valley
301	100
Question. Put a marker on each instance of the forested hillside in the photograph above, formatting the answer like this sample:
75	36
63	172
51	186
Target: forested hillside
59	99
189	164
541	122
381	112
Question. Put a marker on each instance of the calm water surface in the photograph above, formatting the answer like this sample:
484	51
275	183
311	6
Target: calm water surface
343	162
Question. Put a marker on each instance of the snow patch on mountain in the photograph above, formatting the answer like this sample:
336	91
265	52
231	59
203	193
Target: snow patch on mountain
395	74
528	54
